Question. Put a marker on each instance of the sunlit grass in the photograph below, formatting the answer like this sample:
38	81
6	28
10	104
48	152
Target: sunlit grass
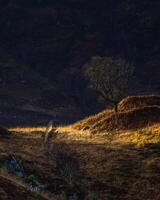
140	137
28	129
146	136
109	159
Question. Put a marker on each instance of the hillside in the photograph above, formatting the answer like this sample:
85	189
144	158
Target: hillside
60	137
55	39
134	112
10	190
21	100
117	164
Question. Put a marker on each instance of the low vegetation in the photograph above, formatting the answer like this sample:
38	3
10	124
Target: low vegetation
118	164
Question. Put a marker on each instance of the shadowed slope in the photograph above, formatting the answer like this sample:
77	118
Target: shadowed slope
11	190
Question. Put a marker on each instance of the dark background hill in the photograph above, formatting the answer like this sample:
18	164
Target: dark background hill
45	43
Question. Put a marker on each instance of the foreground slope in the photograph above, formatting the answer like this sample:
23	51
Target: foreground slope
11	190
120	166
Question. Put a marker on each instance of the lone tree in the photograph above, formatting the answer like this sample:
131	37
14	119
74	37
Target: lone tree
111	78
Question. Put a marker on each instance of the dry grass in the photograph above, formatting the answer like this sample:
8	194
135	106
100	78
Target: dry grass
134	112
29	151
90	121
132	102
132	119
142	137
118	165
28	129
114	166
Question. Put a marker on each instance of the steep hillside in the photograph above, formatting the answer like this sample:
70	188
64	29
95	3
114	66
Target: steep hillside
56	38
19	84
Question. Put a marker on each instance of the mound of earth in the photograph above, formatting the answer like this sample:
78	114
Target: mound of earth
134	112
90	121
132	119
132	102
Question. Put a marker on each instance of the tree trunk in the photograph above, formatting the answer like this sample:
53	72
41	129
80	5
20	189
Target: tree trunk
116	107
115	103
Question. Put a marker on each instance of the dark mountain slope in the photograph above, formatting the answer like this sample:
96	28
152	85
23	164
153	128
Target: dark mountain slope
56	38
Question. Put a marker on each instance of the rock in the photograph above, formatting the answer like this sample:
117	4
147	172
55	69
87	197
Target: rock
15	167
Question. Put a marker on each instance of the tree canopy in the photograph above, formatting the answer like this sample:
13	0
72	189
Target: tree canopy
111	78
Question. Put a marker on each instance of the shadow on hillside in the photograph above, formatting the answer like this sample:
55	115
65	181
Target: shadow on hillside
119	171
113	171
14	117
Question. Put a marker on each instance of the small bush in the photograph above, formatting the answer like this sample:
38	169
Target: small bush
68	168
67	164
